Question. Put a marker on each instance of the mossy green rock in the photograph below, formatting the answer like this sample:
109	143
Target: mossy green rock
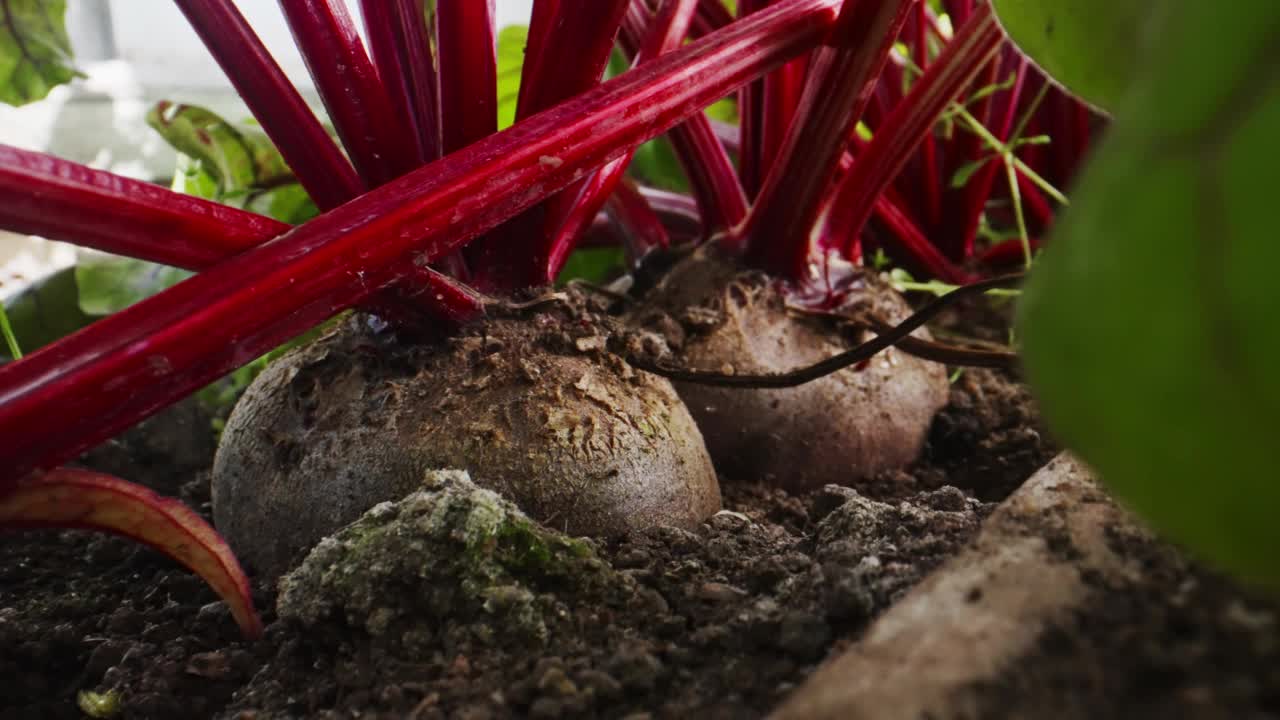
451	557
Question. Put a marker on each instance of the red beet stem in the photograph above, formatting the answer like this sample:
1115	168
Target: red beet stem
468	71
61	200
963	58
778	230
303	143
378	139
567	50
76	392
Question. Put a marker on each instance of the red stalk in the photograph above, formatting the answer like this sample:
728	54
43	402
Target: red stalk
665	33
72	498
468	71
376	137
69	395
712	177
1007	253
711	16
386	50
1034	201
750	120
61	200
963	58
783	89
424	80
679	212
402	55
967	147
643	229
303	143
914	243
840	84
978	190
929	174
568	48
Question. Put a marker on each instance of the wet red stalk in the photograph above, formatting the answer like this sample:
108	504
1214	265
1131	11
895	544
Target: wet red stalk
468	71
83	389
402	57
777	230
951	73
303	143
98	209
377	138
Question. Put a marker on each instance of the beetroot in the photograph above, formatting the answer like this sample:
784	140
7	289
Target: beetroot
532	407
837	429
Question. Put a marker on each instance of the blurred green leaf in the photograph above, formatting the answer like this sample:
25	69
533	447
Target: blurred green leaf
965	172
655	165
235	164
46	310
1149	322
35	54
1091	46
511	43
724	110
109	283
596	265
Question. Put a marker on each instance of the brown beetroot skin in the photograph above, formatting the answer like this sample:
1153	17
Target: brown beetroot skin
837	429
532	407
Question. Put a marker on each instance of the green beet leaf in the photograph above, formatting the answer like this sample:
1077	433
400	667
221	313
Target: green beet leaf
35	54
1090	46
511	43
1149	324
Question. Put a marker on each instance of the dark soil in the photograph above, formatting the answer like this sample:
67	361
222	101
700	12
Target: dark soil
721	622
1179	642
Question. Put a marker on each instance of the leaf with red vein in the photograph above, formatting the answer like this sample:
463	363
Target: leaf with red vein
312	155
64	398
73	498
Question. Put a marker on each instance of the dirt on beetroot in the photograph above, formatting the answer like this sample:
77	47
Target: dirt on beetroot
723	621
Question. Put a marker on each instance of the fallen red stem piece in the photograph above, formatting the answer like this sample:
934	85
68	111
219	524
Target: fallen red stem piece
74	498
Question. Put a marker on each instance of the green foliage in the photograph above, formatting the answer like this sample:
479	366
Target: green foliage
45	311
655	164
232	163
35	54
235	164
1148	324
511	44
110	283
596	265
1091	46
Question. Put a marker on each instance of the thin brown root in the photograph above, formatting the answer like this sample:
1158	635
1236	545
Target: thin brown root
895	335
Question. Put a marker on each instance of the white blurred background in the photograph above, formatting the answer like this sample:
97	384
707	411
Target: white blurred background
135	53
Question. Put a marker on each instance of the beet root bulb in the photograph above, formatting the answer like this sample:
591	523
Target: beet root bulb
840	428
533	408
